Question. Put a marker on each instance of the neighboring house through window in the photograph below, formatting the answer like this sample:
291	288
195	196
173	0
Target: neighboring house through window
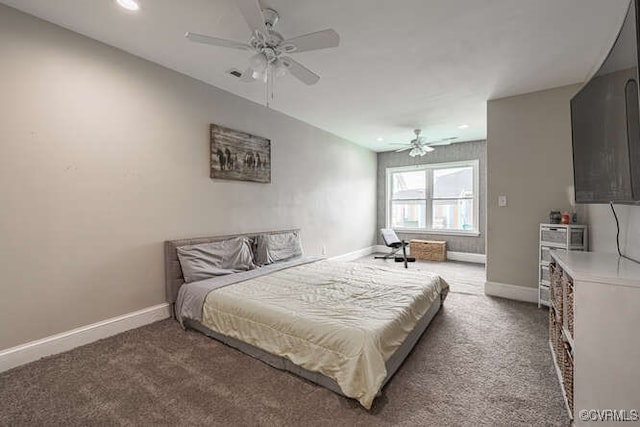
438	198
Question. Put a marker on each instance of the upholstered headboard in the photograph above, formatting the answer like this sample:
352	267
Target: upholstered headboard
173	272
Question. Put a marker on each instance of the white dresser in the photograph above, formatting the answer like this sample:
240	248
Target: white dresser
594	320
562	238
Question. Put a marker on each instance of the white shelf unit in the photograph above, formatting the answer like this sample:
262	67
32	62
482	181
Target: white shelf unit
593	332
560	238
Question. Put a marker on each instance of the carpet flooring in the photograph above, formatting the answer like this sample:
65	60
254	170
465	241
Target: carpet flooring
463	277
482	361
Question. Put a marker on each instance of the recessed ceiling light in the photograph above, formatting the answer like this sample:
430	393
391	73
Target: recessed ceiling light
129	4
463	126
379	139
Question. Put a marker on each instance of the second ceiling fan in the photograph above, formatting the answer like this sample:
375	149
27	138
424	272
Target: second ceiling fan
271	50
419	146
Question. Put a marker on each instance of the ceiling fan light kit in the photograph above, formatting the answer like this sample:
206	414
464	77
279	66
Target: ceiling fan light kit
420	151
258	62
270	47
281	68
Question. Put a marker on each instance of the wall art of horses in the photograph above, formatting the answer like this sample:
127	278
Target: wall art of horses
239	156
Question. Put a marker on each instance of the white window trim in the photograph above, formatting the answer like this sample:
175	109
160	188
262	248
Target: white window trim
429	168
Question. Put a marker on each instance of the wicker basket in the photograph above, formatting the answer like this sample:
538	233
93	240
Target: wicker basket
552	328
557	296
569	296
555	336
553	271
557	348
567	374
555	290
430	250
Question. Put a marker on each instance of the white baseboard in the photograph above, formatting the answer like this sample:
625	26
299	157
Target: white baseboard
65	341
351	256
451	256
381	249
518	293
467	257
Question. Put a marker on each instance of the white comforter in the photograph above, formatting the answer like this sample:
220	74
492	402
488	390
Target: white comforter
343	320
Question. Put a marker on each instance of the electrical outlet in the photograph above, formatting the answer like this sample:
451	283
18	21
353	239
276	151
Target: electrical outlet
502	201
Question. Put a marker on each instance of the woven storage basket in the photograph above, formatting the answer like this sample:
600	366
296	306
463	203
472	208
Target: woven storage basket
559	344
555	335
552	327
567	374
569	291
557	297
430	250
553	270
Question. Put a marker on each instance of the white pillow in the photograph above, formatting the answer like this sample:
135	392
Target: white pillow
272	248
207	260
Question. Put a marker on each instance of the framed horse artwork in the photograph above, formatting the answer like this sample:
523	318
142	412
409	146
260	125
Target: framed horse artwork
239	156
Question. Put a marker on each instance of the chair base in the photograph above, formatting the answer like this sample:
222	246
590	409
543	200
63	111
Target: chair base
392	254
396	248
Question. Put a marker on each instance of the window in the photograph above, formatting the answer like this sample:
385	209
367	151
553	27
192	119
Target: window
439	197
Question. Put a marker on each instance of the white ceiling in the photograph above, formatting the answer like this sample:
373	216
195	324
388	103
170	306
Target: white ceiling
401	64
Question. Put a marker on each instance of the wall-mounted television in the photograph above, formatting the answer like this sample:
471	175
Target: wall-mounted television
605	124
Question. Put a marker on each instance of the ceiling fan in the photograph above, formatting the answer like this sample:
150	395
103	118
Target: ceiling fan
419	145
270	48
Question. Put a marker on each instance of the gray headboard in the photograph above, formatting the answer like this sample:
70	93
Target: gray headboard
173	272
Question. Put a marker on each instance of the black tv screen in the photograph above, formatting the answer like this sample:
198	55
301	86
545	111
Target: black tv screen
605	124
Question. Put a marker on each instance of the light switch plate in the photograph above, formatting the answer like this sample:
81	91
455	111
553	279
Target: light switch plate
502	201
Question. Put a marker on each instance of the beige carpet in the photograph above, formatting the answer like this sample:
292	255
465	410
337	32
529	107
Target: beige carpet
463	277
483	361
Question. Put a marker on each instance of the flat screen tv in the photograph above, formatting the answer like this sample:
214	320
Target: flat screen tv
605	124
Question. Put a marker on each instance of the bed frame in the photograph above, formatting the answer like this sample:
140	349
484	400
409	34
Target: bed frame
174	279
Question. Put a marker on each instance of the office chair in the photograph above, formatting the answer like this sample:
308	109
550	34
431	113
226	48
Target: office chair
391	240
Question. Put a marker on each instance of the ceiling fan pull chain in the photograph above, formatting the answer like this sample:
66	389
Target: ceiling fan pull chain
272	76
266	87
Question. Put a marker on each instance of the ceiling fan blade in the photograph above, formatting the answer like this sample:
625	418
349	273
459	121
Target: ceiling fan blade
312	41
445	141
403	149
252	13
215	41
299	71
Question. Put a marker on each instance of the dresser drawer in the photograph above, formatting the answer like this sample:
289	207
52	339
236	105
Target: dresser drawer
558	236
544	294
545	253
554	235
544	273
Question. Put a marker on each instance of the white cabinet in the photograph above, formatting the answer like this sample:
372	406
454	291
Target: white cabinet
560	238
594	319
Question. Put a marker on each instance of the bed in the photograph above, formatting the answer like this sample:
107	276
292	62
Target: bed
345	326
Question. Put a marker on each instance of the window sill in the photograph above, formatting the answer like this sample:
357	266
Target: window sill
438	232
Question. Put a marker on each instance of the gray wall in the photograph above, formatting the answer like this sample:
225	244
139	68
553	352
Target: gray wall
103	156
602	227
448	153
529	161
